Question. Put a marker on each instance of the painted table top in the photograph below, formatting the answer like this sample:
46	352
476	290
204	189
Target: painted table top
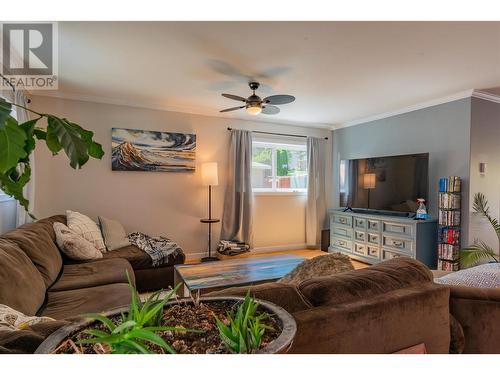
233	272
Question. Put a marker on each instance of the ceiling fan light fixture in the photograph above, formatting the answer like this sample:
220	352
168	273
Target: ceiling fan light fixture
254	109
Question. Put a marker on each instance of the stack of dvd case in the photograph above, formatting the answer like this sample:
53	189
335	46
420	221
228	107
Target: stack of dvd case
449	205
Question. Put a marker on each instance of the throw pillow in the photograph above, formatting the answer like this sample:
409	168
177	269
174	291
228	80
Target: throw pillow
87	228
113	233
483	276
13	320
323	265
73	245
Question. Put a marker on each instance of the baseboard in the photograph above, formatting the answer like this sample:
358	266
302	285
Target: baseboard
262	249
269	249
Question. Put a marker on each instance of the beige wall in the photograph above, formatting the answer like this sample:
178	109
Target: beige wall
170	204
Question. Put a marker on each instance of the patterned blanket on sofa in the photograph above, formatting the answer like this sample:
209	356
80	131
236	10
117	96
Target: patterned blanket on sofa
160	249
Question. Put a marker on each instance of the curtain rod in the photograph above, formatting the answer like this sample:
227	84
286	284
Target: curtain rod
287	135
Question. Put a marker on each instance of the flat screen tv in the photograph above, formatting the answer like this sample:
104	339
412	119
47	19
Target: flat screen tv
390	183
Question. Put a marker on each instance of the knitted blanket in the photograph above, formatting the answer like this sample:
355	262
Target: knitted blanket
160	249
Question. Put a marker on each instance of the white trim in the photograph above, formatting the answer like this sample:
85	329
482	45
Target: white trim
278	192
168	108
256	250
270	249
486	96
431	103
5	198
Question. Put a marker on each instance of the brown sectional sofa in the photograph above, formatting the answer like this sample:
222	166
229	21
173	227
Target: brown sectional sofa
35	278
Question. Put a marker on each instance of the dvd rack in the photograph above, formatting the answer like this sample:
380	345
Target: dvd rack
449	208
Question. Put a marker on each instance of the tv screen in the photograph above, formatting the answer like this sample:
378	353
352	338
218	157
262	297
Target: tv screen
391	183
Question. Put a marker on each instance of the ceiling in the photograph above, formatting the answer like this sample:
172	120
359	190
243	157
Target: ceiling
338	71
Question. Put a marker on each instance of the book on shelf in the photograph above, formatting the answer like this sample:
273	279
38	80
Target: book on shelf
447	201
445	265
449	218
448	252
449	235
451	184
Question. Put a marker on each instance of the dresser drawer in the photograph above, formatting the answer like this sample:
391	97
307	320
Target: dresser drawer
399	229
342	232
399	244
343	220
373	252
373	238
387	254
360	235
345	245
374	225
359	249
359	223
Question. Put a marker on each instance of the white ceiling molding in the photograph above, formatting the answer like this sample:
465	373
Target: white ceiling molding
486	96
153	106
415	107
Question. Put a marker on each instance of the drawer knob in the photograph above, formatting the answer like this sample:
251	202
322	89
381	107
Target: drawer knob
342	220
398	243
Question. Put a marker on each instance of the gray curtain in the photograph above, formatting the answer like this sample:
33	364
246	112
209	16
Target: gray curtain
22	115
238	201
316	197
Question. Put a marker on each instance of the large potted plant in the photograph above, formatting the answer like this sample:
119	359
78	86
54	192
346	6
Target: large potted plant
479	250
162	325
18	141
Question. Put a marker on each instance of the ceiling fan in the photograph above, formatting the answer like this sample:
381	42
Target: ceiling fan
255	105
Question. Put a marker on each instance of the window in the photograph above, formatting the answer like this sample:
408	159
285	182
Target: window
279	167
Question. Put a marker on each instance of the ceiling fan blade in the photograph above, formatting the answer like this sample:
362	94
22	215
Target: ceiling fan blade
234	97
232	109
279	99
270	110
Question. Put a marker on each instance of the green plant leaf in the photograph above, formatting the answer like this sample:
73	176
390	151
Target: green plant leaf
13	184
472	255
12	140
62	134
103	319
5	110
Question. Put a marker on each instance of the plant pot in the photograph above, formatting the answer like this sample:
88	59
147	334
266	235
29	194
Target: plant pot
280	345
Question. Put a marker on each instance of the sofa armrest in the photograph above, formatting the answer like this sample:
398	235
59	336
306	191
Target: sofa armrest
384	323
478	311
284	295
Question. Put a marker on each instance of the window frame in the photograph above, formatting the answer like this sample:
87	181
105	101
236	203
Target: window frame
275	144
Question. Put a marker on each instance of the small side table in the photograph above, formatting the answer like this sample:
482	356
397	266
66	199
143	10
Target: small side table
209	258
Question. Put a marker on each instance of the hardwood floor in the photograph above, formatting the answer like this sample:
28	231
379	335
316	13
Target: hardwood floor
306	253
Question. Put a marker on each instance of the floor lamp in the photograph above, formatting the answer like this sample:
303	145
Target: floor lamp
209	178
369	184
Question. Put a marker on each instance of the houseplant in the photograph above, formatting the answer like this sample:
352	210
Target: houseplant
479	250
18	141
164	325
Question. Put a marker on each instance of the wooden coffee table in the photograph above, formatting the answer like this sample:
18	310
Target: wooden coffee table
204	277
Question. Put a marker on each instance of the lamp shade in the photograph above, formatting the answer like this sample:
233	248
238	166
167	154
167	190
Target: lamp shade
369	181
209	175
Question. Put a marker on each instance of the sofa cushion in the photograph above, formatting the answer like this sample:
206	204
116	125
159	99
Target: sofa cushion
71	303
378	279
284	295
113	233
140	259
85	227
28	340
21	285
73	245
37	240
482	276
87	275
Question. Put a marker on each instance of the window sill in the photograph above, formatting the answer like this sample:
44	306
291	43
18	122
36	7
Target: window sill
280	193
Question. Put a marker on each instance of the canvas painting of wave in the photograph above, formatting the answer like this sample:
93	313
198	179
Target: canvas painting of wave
145	150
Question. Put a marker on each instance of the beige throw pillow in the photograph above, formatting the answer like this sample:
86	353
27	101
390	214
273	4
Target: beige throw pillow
87	228
73	245
13	320
113	233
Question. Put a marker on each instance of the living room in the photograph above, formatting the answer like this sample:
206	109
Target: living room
202	186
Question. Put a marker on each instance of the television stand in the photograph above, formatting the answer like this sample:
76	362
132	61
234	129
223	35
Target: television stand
369	211
373	236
